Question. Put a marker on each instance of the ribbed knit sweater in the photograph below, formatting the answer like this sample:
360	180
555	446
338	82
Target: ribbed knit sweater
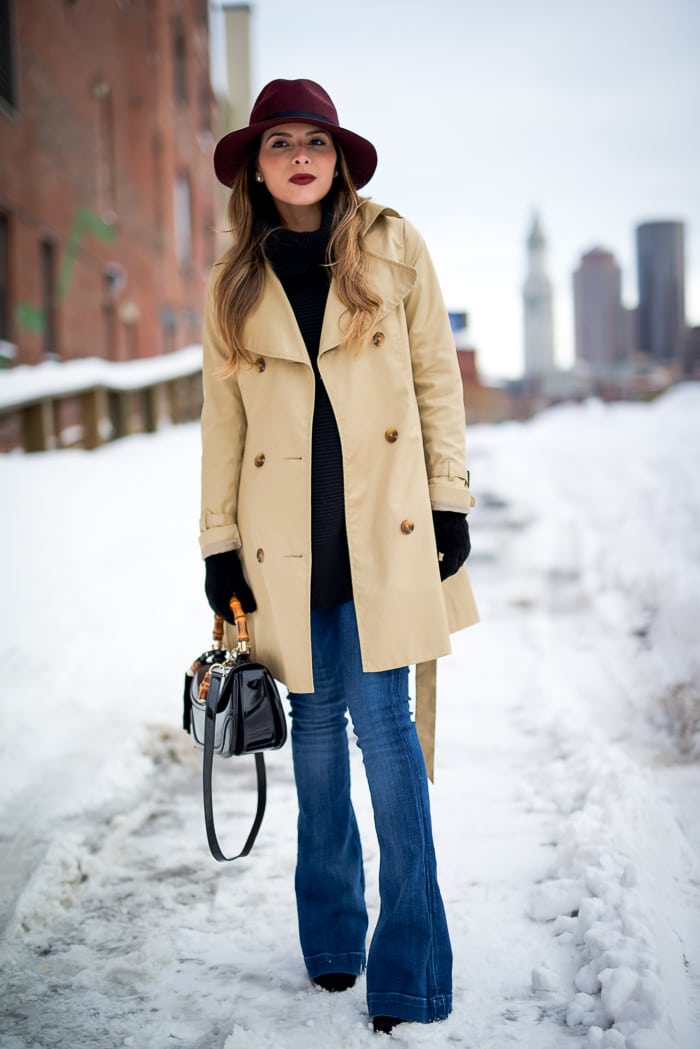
298	260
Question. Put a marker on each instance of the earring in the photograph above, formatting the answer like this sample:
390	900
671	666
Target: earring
259	178
335	174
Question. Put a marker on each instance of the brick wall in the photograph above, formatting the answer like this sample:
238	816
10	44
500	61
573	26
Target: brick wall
113	105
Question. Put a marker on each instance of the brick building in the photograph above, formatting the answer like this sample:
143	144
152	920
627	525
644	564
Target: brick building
107	193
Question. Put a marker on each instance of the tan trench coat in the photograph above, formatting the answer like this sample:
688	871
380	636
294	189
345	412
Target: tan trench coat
399	410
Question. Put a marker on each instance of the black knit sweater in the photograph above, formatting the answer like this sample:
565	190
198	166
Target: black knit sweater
297	259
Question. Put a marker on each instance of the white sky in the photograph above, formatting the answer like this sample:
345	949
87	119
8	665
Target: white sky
483	110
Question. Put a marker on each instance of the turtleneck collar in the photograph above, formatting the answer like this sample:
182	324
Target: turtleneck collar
292	253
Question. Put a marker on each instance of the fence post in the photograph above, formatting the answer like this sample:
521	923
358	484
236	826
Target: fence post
94	410
151	405
38	426
117	414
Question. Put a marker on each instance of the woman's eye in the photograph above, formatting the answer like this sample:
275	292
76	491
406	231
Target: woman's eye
278	142
319	142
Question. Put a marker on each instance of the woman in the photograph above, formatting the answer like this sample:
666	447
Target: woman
335	496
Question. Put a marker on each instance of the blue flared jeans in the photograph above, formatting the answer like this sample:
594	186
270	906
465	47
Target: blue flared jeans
409	964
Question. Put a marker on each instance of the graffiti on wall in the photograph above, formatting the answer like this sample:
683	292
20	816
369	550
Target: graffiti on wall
85	223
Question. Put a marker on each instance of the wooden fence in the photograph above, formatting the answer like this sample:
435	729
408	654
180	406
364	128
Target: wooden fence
83	404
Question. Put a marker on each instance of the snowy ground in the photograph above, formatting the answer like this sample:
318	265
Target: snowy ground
567	795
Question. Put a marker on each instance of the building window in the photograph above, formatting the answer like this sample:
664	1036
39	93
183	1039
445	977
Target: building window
157	191
8	55
179	62
209	241
5	278
168	325
205	105
47	262
105	180
183	222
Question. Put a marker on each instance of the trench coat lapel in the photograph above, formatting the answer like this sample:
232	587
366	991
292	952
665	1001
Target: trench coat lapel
271	328
393	278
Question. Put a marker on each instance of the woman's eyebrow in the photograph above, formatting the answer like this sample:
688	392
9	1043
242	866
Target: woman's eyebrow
288	134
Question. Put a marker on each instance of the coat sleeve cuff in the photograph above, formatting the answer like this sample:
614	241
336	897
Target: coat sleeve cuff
218	540
452	494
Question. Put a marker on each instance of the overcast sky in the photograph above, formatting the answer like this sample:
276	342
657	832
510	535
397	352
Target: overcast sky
484	110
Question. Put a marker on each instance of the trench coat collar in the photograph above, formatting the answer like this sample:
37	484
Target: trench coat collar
271	329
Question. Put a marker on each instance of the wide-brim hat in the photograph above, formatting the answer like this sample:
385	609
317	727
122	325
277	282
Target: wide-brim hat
293	102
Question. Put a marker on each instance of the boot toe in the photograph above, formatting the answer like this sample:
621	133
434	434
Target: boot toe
335	981
385	1024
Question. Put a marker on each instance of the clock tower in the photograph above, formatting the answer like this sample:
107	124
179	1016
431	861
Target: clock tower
537	302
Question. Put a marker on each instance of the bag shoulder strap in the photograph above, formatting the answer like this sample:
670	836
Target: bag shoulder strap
207	765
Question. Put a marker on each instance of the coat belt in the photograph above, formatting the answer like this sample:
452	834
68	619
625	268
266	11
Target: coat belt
426	686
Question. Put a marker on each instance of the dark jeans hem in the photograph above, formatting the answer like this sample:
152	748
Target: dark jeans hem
319	964
407	1007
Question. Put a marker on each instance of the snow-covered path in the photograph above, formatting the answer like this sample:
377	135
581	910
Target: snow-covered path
567	795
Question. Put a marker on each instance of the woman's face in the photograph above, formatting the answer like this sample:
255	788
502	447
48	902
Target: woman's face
297	163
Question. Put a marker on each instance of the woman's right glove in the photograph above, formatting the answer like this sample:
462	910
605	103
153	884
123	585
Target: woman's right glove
223	579
452	539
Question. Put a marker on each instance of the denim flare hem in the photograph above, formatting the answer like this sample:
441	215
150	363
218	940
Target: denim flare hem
409	961
320	964
406	1007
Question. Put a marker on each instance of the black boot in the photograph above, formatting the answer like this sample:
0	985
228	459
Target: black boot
335	981
385	1024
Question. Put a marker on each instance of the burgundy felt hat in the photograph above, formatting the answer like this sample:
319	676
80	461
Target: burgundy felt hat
293	102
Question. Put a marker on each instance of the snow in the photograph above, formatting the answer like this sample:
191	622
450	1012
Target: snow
567	797
28	383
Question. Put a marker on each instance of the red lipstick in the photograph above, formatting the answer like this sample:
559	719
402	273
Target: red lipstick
302	180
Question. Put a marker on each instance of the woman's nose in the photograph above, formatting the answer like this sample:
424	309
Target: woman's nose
301	156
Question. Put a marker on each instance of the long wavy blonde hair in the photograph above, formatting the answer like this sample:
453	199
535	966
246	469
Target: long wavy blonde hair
252	216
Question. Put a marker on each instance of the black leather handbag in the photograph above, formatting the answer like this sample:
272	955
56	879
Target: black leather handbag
232	707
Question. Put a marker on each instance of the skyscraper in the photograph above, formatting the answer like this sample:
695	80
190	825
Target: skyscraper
537	302
661	279
598	314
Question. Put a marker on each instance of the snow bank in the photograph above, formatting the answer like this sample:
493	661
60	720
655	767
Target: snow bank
610	892
615	496
607	529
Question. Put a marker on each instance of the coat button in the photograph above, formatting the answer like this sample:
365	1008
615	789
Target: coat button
260	554
407	527
378	338
391	436
260	459
260	364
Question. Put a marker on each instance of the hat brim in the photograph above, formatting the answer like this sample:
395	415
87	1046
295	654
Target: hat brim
230	152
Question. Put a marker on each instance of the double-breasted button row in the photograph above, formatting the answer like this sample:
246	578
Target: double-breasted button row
407	527
391	435
259	459
260	364
260	554
378	338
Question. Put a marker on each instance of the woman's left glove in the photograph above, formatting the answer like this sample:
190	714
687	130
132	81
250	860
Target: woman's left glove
224	578
452	538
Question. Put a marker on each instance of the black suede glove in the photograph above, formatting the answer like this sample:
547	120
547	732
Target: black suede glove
452	538
223	579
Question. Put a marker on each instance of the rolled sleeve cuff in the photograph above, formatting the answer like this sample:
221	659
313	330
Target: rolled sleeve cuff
450	494
219	538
